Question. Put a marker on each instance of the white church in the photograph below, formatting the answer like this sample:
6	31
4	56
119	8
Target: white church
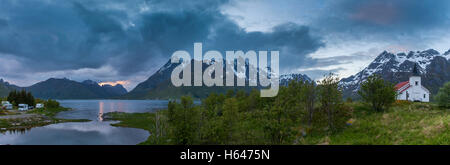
413	90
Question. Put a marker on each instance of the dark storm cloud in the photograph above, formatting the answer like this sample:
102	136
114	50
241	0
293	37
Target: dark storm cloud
70	35
166	33
51	33
293	41
199	5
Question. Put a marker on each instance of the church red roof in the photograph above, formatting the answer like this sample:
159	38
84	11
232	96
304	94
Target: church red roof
401	84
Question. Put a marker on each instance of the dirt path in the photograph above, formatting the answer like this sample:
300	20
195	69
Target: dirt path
19	116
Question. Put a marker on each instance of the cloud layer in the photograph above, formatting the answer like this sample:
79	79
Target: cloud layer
115	40
83	35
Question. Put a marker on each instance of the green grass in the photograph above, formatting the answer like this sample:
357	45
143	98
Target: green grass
135	120
50	112
410	124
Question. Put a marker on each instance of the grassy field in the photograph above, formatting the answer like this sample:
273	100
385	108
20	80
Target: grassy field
407	124
50	112
133	120
404	124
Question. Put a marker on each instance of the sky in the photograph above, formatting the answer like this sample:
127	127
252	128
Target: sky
125	42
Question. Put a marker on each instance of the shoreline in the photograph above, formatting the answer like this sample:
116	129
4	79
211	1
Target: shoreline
18	121
132	120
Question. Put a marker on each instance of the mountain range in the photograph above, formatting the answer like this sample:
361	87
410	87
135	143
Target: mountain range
66	89
434	69
393	67
159	85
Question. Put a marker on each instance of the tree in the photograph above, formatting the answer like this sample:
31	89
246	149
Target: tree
309	96
378	93
29	99
230	120
278	126
184	121
21	97
330	96
12	97
443	96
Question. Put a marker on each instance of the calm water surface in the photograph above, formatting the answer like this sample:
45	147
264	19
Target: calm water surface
96	132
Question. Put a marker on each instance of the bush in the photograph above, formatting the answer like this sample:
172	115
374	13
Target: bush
443	96
183	120
51	104
378	93
330	96
341	115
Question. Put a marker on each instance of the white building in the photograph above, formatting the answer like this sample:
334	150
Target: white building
413	90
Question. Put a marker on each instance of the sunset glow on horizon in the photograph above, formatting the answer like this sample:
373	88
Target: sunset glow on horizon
114	83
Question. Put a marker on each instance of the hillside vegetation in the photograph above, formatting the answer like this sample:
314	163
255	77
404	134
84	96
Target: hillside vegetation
302	113
403	124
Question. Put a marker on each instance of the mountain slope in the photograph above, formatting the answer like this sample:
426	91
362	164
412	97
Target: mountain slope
5	88
67	89
433	66
159	85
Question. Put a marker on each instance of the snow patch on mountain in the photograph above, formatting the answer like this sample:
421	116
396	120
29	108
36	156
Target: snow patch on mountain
388	62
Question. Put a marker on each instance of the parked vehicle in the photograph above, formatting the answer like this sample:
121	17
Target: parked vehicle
40	105
23	107
6	105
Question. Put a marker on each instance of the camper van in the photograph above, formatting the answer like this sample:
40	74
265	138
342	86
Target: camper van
6	105
23	107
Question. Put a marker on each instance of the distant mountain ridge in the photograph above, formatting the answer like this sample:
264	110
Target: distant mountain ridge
434	69
54	88
5	88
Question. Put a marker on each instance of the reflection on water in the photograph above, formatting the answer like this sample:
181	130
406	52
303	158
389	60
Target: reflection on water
15	131
100	112
93	109
95	132
90	133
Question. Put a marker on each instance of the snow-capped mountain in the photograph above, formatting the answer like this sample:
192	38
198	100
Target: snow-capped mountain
286	78
159	86
433	66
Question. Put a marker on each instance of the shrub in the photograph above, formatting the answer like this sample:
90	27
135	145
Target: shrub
51	104
330	96
341	114
378	93
349	100
443	96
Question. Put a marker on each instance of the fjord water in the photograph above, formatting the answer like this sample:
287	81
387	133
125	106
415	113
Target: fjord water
95	132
